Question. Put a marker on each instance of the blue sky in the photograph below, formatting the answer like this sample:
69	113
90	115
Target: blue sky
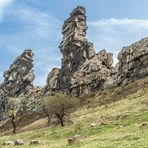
36	25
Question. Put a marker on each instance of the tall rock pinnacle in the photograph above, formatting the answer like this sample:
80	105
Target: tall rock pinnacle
82	70
74	46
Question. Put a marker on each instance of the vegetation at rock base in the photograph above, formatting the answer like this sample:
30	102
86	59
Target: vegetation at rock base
122	122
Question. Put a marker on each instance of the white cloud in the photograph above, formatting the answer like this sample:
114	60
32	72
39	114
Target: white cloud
119	22
4	4
112	34
40	22
40	32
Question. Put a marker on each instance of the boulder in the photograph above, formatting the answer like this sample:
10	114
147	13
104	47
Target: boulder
32	142
71	141
8	143
74	139
19	142
93	125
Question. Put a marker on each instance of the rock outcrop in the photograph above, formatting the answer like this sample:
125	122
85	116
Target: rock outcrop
18	79
94	74
133	62
82	70
20	76
53	84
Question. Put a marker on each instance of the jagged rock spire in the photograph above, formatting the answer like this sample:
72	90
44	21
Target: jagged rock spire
18	79
82	70
20	75
74	46
74	35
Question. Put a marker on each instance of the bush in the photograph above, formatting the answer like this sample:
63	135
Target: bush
58	105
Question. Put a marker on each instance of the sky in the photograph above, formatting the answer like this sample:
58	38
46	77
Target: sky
37	24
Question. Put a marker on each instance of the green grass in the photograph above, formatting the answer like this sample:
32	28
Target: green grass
124	110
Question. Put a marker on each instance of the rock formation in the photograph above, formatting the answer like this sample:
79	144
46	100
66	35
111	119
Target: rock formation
82	70
53	84
74	46
18	79
133	62
94	74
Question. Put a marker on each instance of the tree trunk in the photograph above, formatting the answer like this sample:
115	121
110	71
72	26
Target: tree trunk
60	119
48	120
61	122
14	126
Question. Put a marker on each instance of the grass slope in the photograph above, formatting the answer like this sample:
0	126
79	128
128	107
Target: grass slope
120	115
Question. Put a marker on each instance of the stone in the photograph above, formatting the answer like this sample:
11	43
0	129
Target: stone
71	141
93	125
32	142
19	142
74	139
82	70
133	62
8	143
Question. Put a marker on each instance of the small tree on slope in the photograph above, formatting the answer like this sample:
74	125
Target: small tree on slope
59	105
13	109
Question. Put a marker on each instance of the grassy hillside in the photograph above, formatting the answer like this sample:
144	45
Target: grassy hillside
119	116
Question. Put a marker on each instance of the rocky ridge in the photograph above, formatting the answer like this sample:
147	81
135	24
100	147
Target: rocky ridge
82	71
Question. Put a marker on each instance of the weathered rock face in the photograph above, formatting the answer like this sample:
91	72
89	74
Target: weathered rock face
18	79
74	46
94	74
20	75
82	70
133	62
53	82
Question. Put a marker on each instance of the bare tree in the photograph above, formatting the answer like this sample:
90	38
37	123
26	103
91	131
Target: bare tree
13	109
58	105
